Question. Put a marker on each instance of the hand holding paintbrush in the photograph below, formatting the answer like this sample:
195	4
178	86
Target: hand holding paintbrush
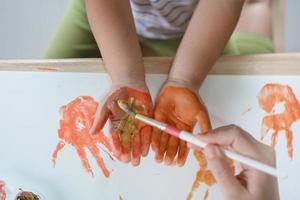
192	139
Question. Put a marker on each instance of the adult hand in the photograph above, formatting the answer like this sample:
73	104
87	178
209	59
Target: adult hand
178	105
249	183
130	137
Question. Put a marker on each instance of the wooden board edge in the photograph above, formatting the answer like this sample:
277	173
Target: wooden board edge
263	64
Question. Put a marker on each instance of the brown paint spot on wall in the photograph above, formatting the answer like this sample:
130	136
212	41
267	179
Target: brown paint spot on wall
268	97
246	111
76	121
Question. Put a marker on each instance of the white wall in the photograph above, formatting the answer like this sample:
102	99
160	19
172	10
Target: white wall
27	25
293	26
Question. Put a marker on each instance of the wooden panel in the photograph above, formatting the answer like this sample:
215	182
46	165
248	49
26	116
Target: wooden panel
269	64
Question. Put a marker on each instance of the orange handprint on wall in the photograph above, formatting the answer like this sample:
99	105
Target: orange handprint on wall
77	119
269	96
204	176
2	190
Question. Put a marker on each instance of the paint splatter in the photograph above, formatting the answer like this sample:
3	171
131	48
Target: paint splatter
205	195
2	190
246	111
203	175
270	96
120	198
77	119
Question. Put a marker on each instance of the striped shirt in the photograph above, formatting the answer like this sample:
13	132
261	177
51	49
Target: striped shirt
162	19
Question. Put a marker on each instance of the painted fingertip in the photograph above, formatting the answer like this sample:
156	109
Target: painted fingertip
135	162
145	152
180	163
158	159
168	161
125	158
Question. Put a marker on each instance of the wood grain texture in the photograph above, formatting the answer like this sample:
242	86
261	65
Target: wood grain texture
264	64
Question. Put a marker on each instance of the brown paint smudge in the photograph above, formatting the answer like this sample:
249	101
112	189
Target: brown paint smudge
76	121
2	190
127	132
246	111
47	69
268	97
205	195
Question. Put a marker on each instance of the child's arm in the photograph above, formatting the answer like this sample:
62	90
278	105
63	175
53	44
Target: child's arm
178	103
113	27
210	27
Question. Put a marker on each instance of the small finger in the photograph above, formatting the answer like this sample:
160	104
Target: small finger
204	121
156	134
125	155
171	150
146	139
162	147
116	144
182	153
136	149
101	117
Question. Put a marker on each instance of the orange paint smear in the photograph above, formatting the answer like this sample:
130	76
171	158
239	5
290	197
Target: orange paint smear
2	190
76	121
268	97
203	176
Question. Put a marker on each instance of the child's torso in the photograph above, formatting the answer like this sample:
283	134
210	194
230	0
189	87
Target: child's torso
162	19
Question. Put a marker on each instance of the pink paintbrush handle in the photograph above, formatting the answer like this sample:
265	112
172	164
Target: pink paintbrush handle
189	137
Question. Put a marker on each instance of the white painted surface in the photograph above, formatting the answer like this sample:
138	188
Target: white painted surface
30	119
27	26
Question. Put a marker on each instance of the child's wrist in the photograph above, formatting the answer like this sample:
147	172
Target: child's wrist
138	84
183	82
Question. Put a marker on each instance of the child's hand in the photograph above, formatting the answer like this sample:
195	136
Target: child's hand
180	107
130	138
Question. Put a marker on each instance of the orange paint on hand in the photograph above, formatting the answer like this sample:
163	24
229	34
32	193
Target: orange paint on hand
77	119
269	96
2	190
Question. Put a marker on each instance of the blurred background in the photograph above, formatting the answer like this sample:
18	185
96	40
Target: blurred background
26	26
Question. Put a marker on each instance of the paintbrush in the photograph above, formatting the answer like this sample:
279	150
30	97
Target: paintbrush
192	139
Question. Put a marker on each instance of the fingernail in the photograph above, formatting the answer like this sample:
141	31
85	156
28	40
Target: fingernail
158	159
145	152
135	162
168	161
210	152
125	158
